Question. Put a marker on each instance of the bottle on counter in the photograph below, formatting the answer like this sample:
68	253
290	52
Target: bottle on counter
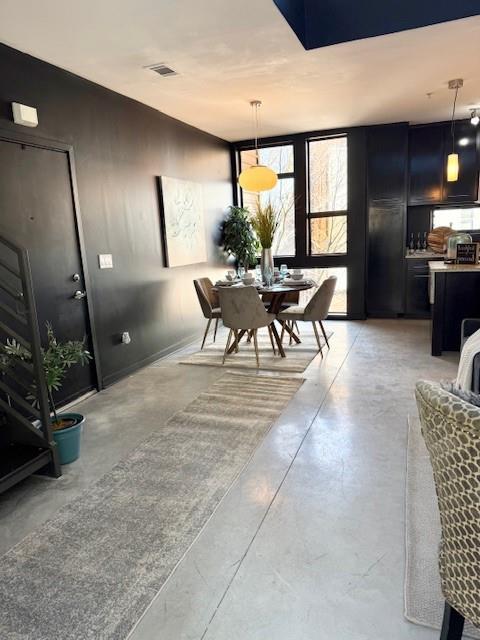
411	245
425	241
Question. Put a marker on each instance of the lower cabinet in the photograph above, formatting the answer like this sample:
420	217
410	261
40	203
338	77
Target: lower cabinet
416	288
417	282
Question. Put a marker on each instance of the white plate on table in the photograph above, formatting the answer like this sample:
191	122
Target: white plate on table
295	283
227	283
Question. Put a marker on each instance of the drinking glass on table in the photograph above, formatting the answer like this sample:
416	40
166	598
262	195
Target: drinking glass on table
268	273
258	272
283	270
241	272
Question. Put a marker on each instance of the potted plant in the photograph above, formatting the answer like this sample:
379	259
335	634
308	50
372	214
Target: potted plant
265	223
238	239
57	358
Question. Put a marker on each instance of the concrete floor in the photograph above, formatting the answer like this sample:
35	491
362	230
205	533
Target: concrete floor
309	542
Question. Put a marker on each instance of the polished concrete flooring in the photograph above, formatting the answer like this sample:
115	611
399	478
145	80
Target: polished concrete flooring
309	541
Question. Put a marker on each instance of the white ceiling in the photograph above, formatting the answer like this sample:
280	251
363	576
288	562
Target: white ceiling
228	52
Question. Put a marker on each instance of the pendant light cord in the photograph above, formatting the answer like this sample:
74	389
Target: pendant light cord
453	119
255	106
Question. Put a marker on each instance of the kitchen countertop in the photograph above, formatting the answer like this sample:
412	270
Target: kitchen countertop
437	266
441	267
426	255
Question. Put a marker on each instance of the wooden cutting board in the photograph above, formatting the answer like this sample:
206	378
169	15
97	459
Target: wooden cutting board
437	239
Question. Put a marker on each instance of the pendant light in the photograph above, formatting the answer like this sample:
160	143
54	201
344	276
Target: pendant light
257	177
452	160
474	117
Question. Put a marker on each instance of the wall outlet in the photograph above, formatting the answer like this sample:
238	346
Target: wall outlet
126	339
105	261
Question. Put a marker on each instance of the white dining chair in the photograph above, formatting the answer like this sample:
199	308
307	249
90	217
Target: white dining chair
243	311
315	311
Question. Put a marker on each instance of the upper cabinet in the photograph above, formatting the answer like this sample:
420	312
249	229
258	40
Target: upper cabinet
465	189
426	165
429	147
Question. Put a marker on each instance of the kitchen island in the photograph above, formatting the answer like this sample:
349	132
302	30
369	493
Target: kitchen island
454	295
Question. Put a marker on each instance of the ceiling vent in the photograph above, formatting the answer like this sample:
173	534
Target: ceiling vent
162	70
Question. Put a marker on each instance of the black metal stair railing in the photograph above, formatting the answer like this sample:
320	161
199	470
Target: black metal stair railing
26	443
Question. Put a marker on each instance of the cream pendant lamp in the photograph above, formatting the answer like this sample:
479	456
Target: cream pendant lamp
257	177
452	160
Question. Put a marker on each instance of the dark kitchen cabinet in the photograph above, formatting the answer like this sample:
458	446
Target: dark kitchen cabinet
426	164
465	189
387	174
429	146
417	304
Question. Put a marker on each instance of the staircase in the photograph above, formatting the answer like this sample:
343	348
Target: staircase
26	443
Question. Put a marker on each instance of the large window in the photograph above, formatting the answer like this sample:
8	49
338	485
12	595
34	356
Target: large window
327	195
318	275
317	224
464	219
282	197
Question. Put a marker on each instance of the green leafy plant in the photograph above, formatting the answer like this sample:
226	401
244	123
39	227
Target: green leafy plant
238	239
265	222
57	358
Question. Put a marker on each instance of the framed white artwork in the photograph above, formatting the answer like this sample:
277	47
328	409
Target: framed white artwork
183	222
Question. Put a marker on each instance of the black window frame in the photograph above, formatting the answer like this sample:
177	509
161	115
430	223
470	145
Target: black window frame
450	206
355	260
312	215
280	176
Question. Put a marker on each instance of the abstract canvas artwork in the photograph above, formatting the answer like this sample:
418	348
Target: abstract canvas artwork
183	222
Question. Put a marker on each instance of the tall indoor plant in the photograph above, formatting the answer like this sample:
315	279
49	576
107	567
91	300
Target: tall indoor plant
57	359
238	239
265	223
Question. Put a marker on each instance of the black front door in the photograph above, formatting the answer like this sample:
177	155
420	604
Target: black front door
37	212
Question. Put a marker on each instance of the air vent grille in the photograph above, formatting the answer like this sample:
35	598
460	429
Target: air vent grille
162	70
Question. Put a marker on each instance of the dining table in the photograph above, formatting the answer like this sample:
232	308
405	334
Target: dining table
276	294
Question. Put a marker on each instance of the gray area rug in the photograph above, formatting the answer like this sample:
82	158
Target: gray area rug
423	596
298	357
91	571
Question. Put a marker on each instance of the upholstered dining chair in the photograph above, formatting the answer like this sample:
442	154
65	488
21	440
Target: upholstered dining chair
242	310
315	311
291	299
451	430
208	300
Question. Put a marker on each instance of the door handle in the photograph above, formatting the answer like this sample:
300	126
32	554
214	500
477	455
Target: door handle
78	295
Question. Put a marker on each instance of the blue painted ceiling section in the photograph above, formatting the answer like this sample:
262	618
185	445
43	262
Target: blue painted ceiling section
319	23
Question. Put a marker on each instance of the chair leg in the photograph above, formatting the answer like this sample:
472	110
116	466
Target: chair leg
215	330
295	326
205	334
292	324
271	339
283	331
227	346
317	337
235	333
452	627
324	333
255	344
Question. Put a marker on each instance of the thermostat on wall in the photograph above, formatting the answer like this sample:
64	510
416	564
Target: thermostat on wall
24	115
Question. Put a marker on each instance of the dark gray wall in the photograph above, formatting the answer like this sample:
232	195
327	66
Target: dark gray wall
120	147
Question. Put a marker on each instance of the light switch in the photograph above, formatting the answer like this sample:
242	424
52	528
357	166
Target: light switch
105	261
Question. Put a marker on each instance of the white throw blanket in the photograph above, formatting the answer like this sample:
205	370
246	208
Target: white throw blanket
465	367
